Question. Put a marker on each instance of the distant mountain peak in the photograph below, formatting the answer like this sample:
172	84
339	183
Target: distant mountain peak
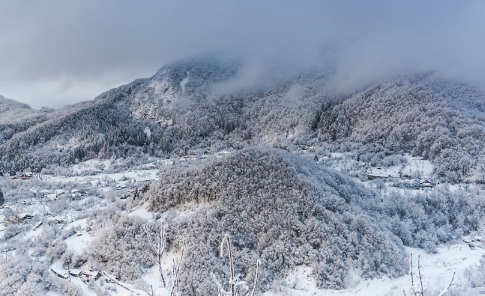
9	104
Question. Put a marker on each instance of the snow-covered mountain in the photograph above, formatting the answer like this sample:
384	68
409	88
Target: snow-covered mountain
179	109
436	119
16	117
326	191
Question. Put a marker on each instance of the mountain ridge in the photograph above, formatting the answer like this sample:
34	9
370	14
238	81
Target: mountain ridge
181	110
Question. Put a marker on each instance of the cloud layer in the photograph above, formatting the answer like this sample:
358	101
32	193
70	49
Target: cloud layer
57	52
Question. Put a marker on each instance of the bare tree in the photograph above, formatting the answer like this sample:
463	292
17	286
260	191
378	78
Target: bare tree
158	245
417	289
234	281
174	278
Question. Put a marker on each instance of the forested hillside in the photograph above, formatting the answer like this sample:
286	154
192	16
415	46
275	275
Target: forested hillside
288	211
16	117
439	120
181	110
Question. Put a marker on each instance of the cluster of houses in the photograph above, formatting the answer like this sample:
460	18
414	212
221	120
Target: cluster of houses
379	173
190	156
20	218
83	274
74	194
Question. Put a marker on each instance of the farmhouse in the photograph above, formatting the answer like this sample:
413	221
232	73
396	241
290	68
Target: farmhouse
24	216
60	272
26	176
425	184
376	176
76	272
90	274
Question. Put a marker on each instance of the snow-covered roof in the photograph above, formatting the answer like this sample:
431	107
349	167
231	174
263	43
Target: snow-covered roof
91	273
75	272
59	271
25	215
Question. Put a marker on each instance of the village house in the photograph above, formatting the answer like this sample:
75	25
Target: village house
76	272
425	184
90	274
24	216
60	272
26	176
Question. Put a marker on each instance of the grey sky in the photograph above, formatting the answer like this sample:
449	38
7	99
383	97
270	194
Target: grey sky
56	52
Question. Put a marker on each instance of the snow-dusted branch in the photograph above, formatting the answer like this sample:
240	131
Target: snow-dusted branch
227	240
175	271
445	290
421	290
234	281
256	277
157	245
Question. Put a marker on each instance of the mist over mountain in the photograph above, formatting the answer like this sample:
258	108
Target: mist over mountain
186	107
282	148
84	48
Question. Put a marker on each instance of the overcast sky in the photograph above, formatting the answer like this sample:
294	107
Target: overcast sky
54	53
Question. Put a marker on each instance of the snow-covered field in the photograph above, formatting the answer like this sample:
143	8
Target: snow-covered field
69	202
437	270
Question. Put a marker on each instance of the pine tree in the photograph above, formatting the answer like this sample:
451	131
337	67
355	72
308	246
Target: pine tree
2	200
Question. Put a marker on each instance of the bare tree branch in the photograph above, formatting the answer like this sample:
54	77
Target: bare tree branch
256	277
227	239
445	290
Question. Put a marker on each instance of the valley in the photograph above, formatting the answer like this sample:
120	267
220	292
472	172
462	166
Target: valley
319	194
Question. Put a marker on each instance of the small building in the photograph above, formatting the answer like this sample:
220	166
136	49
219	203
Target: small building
26	176
60	272
90	274
121	186
24	216
20	218
57	219
76	272
376	176
149	166
380	173
425	184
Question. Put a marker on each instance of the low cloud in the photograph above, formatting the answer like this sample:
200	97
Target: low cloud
57	52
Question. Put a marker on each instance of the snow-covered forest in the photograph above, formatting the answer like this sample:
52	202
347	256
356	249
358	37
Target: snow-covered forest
135	192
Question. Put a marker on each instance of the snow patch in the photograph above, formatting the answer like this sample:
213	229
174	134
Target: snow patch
437	270
147	131
184	82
